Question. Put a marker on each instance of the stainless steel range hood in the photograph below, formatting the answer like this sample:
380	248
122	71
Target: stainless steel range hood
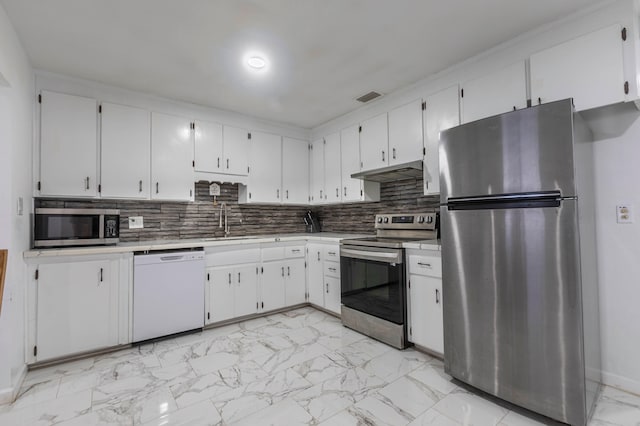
411	170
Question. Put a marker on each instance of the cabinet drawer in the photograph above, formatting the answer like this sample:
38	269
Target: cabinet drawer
332	269
272	253
332	253
294	251
425	265
233	257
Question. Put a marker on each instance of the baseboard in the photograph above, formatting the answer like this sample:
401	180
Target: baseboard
8	395
620	382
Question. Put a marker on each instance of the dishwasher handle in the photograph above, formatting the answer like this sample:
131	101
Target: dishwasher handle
172	258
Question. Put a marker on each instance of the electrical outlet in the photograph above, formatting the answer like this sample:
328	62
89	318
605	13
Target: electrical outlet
136	222
624	213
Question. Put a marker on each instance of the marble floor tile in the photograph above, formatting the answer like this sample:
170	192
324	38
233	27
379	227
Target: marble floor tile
295	367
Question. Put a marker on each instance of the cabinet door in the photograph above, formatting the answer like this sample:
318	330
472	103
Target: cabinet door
295	171
77	307
246	293
350	153
315	273
332	294
425	310
236	151
588	69
125	151
171	158
405	133
68	145
332	168
221	294
317	172
265	170
208	147
374	143
496	93
272	288
295	284
442	111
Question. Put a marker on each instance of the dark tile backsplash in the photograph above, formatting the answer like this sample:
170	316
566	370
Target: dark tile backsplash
201	218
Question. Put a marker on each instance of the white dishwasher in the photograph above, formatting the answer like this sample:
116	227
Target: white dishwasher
168	293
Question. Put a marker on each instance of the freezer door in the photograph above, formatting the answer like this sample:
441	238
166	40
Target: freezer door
529	150
512	306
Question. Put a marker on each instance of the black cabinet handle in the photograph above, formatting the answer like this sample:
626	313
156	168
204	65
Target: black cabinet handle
229	278
437	296
218	162
283	271
140	186
101	275
238	277
157	187
227	163
87	183
288	271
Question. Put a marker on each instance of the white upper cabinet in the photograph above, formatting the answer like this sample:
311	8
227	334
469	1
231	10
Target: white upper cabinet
332	170
68	145
496	93
317	171
589	69
236	151
374	143
442	111
405	133
171	158
354	189
265	170
295	171
208	155
125	151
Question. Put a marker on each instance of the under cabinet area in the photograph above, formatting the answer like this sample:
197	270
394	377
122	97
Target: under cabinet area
425	299
77	304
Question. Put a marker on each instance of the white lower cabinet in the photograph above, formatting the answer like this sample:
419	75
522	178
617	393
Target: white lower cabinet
323	276
74	306
425	299
272	286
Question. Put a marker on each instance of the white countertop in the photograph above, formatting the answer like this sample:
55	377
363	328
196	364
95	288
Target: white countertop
423	245
188	243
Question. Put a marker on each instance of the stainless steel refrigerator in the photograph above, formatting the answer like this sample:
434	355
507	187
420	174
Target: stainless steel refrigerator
520	294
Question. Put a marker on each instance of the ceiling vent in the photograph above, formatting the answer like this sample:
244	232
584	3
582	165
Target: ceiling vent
368	97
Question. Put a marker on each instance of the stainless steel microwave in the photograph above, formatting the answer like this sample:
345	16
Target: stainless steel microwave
75	227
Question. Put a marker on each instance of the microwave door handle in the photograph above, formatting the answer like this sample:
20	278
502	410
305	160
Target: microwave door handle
101	227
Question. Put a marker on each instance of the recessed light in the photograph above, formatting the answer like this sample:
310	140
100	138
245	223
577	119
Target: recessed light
256	62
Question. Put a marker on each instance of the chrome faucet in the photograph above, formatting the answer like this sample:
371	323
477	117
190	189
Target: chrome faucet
223	212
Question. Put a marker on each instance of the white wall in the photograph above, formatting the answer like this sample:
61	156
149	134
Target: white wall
16	124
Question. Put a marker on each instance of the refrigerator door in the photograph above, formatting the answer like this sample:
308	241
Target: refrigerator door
512	305
529	150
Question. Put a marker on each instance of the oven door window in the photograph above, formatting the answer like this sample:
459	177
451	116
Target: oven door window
67	227
375	288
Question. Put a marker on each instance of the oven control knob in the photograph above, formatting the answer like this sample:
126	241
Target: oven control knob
429	219
420	219
386	220
379	219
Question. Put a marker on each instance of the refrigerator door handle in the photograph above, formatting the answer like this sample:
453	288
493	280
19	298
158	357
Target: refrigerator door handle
521	200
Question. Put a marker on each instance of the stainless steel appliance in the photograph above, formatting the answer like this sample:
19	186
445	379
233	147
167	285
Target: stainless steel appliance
75	227
372	274
168	293
519	261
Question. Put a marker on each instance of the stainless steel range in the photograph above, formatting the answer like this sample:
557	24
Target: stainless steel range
372	273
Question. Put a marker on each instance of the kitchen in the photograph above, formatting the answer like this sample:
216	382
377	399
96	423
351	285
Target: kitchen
508	67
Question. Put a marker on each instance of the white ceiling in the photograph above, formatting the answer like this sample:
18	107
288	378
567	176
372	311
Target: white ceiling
323	53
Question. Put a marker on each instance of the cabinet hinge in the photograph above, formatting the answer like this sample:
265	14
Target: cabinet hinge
624	34
424	105
39	99
37	274
248	135
35	351
208	315
99	187
359	129
626	87
39	185
99	109
424	151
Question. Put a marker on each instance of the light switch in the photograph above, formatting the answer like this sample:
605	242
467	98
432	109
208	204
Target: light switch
624	213
136	222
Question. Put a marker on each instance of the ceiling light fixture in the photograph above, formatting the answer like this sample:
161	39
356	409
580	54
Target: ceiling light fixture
256	62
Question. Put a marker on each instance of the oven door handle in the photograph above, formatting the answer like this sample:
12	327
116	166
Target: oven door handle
386	257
